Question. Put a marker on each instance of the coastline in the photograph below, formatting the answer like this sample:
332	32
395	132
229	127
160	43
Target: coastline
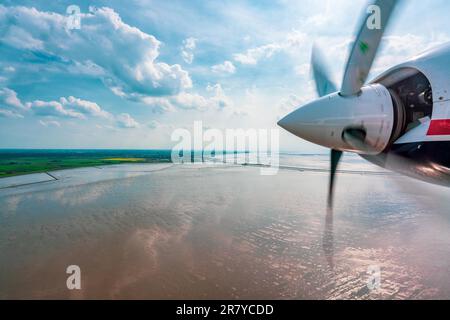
17	162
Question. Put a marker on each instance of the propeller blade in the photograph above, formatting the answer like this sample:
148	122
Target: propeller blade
335	158
365	46
328	237
324	85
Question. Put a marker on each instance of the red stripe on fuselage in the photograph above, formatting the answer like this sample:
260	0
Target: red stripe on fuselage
439	128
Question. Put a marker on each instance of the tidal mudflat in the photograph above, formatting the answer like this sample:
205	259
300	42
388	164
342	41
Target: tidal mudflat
222	231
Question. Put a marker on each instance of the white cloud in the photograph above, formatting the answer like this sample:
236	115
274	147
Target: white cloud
124	55
190	101
187	51
8	98
9	69
324	17
252	56
70	107
53	109
50	123
216	100
124	120
396	49
159	105
10	104
85	107
225	68
219	98
4	113
20	38
87	68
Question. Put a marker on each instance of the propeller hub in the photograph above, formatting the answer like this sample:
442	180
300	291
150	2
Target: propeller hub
325	120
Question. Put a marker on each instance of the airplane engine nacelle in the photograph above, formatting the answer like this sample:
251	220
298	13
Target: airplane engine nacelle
326	120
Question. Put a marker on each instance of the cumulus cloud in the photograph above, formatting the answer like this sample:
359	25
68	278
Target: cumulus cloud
219	98
124	120
216	99
10	104
84	107
252	56
70	107
225	68
159	105
187	51
124	56
53	109
8	98
190	101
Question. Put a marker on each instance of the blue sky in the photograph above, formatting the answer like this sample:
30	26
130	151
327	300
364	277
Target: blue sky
136	70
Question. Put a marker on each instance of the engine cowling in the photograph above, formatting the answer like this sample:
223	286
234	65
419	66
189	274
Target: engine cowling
325	120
